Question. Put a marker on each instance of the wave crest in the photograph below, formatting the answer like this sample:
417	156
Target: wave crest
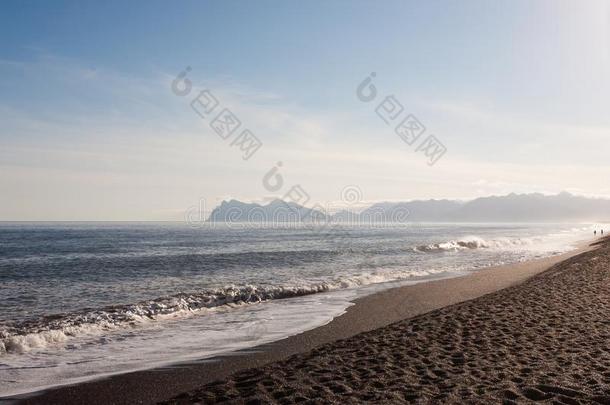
473	242
24	336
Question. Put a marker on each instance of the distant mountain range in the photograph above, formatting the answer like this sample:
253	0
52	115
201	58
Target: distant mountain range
563	207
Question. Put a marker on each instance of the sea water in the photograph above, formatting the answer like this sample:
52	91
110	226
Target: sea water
83	300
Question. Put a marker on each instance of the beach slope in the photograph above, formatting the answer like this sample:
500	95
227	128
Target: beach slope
546	339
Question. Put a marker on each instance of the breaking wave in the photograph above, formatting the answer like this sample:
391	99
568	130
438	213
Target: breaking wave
21	337
39	333
474	242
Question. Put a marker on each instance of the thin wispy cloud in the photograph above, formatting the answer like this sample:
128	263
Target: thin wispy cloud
524	118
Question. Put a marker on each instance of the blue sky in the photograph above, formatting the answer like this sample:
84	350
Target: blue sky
517	92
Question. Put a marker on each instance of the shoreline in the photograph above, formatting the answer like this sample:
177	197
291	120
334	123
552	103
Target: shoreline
368	313
540	341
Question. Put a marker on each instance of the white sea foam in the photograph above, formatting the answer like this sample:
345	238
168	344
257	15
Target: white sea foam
475	242
24	337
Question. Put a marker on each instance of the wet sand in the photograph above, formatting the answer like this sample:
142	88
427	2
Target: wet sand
528	336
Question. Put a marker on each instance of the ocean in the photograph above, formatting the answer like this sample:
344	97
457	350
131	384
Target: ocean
83	300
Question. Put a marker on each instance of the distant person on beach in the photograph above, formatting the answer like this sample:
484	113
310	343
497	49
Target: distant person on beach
602	232
595	233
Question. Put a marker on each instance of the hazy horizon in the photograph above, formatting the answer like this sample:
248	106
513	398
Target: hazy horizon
96	127
204	209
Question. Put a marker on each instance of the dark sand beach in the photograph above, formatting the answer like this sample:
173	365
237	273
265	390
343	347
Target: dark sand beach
511	334
546	340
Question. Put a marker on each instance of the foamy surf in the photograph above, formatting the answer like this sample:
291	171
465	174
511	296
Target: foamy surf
471	242
474	242
58	329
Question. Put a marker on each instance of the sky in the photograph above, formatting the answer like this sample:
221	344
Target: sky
94	126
